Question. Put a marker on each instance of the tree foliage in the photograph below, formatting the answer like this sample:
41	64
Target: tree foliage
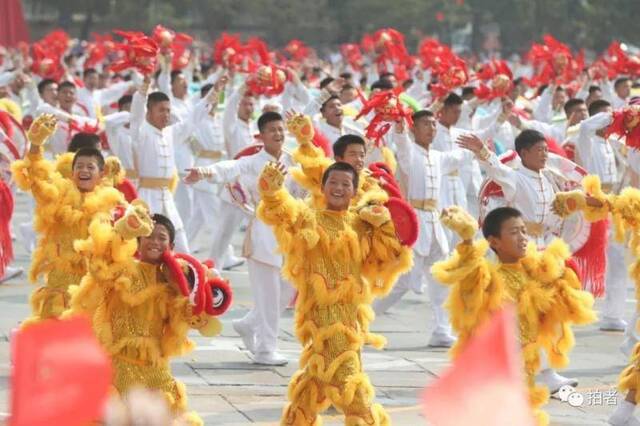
591	24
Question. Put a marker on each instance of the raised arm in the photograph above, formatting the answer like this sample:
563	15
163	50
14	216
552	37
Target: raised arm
292	221
312	159
34	173
504	175
138	109
474	291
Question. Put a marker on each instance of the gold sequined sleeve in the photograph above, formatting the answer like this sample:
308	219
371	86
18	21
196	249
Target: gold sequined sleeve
475	289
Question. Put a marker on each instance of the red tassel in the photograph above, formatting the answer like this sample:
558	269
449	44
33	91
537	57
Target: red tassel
6	247
322	142
591	259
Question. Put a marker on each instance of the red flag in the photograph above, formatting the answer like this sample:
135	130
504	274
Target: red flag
485	384
61	374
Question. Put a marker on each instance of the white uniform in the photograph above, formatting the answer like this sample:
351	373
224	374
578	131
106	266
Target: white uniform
270	291
155	161
530	192
119	138
423	170
598	158
94	100
181	110
209	149
59	141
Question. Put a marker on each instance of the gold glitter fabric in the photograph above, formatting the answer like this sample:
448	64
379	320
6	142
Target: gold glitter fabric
138	314
62	215
338	262
547	295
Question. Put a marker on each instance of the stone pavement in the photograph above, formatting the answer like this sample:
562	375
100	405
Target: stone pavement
226	389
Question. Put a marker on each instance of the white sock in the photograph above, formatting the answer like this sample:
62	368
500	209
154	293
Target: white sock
622	413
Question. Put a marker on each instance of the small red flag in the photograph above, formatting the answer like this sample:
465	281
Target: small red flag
485	385
61	375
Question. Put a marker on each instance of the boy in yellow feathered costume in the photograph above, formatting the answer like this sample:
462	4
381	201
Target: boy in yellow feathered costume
313	162
625	212
64	209
339	259
138	312
547	293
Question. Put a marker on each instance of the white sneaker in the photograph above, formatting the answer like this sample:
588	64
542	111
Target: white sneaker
11	272
613	324
232	262
631	421
269	358
441	340
628	345
246	334
554	381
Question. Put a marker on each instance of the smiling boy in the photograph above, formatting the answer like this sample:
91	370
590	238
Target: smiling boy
64	209
338	258
547	293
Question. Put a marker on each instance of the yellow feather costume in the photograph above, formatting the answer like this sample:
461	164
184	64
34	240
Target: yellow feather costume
338	262
313	163
138	314
62	215
625	212
547	295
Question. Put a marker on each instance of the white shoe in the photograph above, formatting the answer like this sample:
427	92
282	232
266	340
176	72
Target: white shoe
418	287
27	237
613	324
246	334
628	345
232	262
11	272
554	381
615	421
441	340
269	358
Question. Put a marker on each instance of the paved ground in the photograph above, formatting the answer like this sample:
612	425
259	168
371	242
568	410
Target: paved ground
226	389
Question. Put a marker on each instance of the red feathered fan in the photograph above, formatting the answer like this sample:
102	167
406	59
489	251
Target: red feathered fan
388	109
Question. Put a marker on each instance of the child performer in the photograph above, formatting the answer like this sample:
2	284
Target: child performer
338	258
139	309
546	292
64	210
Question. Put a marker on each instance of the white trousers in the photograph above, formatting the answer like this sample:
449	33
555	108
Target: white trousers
618	261
203	214
437	292
181	243
183	198
270	294
226	219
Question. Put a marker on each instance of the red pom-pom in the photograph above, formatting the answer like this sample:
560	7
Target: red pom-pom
405	221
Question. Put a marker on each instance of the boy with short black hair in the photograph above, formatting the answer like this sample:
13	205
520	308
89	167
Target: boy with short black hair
547	293
339	258
64	208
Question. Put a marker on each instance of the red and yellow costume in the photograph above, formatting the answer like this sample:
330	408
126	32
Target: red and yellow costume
338	261
62	215
547	295
138	312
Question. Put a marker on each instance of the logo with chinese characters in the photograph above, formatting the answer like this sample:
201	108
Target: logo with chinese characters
590	398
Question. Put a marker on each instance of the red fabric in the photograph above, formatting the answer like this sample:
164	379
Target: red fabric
13	28
61	375
484	386
322	142
404	219
220	288
591	259
128	190
199	276
6	247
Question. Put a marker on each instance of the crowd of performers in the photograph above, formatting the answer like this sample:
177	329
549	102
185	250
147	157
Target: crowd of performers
355	179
